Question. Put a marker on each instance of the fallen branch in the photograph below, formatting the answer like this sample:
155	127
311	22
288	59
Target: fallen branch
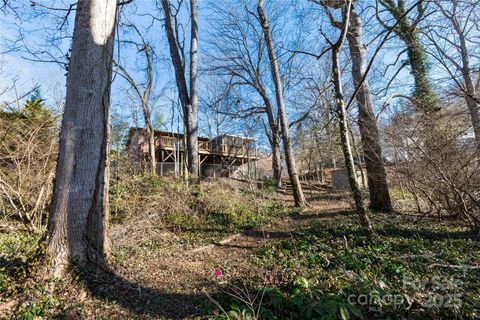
213	245
411	256
229	239
452	266
9	228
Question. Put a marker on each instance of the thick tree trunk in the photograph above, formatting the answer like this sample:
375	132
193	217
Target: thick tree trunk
345	144
289	157
424	96
276	157
78	220
376	177
275	138
188	115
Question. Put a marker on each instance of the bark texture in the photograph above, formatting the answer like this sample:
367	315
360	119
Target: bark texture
276	157
189	113
146	109
274	137
465	68
285	130
424	96
151	137
345	144
78	219
342	117
376	177
193	157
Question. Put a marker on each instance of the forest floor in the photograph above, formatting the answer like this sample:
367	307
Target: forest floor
297	265
172	282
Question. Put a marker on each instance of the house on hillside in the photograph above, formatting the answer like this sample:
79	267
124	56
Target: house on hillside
222	156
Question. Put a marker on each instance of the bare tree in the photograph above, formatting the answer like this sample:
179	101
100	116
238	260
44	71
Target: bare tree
143	91
285	130
189	100
215	93
451	46
239	53
341	112
78	220
28	147
377	179
406	29
193	112
376	176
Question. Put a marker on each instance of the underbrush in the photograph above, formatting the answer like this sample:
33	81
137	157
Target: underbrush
226	202
151	212
150	216
18	259
331	271
22	291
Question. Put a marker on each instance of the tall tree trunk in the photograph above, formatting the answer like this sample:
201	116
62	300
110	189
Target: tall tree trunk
345	143
188	115
146	109
78	219
276	157
275	137
289	157
193	155
376	177
424	96
471	91
474	109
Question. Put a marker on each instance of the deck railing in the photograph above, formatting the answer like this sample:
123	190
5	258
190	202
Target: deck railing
168	142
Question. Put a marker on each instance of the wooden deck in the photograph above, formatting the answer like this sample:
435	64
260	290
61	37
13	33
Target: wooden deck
206	148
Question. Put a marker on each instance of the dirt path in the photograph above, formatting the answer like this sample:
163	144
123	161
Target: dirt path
174	285
231	257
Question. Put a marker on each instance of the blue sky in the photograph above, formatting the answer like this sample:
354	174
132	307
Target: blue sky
37	26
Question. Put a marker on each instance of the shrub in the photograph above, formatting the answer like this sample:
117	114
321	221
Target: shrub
437	165
27	162
19	258
172	202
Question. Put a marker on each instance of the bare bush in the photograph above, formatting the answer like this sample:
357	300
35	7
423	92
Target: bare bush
437	162
27	162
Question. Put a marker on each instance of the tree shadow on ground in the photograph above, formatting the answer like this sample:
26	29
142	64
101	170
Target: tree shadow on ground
395	231
340	196
278	235
247	231
10	266
105	284
425	233
322	215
